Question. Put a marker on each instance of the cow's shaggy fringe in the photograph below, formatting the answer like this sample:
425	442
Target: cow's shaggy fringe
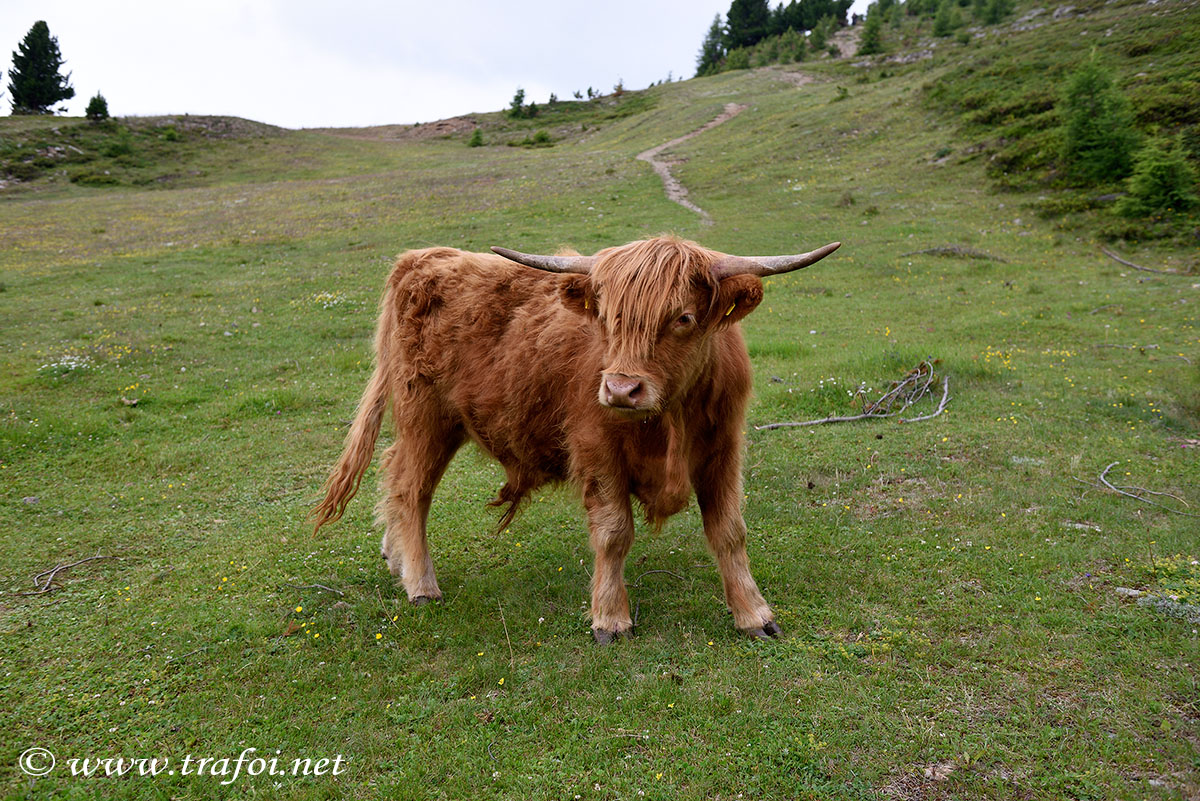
634	277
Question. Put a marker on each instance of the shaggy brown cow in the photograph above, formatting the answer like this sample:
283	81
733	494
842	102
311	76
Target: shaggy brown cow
625	374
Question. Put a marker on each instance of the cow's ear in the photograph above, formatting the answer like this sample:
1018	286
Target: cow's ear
577	294
737	296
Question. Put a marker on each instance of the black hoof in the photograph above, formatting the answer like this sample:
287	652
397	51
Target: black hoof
767	631
606	637
422	600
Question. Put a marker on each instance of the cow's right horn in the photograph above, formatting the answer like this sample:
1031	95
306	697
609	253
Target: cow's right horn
551	264
769	265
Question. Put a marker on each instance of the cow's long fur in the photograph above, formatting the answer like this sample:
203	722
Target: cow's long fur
473	346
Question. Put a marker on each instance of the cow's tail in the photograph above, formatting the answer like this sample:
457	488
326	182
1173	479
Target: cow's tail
347	474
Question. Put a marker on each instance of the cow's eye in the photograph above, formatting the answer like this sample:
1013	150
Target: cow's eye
686	320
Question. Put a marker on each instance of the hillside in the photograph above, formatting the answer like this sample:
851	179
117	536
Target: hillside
969	610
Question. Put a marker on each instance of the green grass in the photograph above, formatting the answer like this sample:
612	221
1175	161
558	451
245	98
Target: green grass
946	587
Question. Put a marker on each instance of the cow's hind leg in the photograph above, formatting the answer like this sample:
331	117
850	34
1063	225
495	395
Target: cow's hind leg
610	524
412	468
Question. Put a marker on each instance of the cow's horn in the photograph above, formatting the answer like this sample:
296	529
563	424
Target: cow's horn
552	264
769	265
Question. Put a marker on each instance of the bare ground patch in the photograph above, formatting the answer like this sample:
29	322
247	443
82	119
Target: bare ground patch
407	133
675	190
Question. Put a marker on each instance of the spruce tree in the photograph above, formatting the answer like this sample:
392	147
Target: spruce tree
941	23
747	22
1162	181
516	107
712	51
1099	136
996	10
871	41
816	39
35	83
97	108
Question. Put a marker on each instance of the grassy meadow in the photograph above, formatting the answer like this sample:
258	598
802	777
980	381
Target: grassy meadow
185	345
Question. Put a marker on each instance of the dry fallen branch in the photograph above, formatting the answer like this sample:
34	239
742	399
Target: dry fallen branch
512	659
1138	494
173	659
1117	258
941	407
899	397
316	587
44	587
637	582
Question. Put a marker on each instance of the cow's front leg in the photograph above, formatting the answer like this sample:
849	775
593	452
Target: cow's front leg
719	493
610	526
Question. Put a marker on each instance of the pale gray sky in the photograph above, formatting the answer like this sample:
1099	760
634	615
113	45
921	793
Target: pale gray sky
307	63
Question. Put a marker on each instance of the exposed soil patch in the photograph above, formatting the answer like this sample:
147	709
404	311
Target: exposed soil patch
794	78
454	126
846	40
675	190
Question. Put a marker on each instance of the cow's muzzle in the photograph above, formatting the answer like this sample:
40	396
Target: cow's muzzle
626	393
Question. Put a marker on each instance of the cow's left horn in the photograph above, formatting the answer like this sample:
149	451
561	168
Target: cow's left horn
551	264
769	265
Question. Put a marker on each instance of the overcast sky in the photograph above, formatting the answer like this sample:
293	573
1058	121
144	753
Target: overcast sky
306	63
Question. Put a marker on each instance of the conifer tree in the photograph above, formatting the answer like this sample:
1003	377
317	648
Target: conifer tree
35	83
996	10
871	41
941	23
1162	180
747	22
712	51
97	108
1099	136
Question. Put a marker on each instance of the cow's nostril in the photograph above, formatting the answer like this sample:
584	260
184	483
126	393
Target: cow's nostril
623	390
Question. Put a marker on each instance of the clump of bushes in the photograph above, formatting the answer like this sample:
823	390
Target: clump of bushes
539	139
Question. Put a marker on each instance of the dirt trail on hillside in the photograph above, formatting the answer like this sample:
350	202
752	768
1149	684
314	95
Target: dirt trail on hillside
675	190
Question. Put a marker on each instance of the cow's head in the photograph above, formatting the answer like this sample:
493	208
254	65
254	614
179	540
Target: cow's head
658	302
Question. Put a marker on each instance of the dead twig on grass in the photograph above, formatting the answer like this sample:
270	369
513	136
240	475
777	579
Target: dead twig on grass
44	587
1127	263
512	660
388	616
941	407
1138	494
637	581
173	659
894	402
316	587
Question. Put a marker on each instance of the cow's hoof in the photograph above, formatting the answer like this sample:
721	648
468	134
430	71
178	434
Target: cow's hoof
422	600
606	637
767	631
